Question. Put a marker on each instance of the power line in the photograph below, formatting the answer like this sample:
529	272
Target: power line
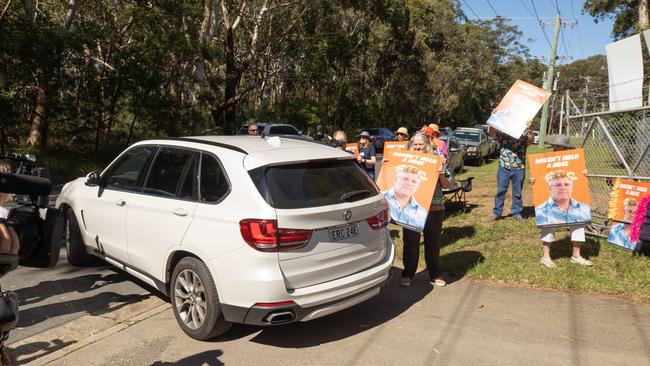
582	53
528	10
492	7
472	10
540	24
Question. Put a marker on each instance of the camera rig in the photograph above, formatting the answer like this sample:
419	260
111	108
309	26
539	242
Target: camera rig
39	227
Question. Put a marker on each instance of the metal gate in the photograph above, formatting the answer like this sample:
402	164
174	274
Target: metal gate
616	145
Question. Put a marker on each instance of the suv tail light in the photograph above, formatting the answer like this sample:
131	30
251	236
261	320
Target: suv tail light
264	235
379	220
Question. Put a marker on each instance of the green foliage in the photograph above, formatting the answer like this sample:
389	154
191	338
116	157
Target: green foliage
127	70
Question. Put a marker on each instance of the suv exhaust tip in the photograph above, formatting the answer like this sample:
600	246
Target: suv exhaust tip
279	317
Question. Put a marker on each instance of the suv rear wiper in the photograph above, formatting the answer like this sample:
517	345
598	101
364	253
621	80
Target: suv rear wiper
348	197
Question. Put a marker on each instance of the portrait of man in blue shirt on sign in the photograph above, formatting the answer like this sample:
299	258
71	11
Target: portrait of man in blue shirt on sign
619	234
404	209
561	208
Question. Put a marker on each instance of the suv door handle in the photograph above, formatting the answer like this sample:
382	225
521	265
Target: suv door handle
179	212
120	203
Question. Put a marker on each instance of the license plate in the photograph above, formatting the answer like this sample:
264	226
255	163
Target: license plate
344	232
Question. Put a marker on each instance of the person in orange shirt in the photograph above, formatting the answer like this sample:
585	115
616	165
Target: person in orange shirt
442	145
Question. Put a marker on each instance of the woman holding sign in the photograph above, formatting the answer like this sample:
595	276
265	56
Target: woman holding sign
432	227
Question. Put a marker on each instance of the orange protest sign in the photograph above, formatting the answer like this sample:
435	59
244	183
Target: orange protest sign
519	106
624	200
408	180
353	148
560	189
394	145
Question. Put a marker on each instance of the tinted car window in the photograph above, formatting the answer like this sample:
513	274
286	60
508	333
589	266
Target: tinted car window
214	183
283	130
126	173
469	136
166	171
189	187
313	184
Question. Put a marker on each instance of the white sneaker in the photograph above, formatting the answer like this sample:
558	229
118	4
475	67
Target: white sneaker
548	262
581	261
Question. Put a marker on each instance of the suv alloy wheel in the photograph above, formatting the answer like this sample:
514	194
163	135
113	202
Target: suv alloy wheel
195	301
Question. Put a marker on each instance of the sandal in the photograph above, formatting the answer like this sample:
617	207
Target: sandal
548	262
581	261
405	282
440	282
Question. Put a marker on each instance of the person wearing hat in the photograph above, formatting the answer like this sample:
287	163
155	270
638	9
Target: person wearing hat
367	154
402	134
575	209
442	145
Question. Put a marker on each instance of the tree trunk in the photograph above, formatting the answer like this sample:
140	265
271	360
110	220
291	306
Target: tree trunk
232	80
36	135
644	17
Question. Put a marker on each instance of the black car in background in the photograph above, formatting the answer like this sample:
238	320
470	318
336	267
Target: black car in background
378	136
456	161
475	142
277	129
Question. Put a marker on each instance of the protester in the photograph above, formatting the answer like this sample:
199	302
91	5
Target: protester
401	200
512	168
432	227
321	135
402	134
253	129
561	143
367	155
442	145
340	135
620	233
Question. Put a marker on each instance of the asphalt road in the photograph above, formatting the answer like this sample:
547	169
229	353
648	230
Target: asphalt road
54	296
465	323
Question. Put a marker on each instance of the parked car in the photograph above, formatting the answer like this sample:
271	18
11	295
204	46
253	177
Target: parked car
456	151
277	129
495	146
475	142
482	126
235	230
446	131
378	136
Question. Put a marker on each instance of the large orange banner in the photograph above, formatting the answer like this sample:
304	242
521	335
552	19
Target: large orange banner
560	188
624	200
408	180
520	105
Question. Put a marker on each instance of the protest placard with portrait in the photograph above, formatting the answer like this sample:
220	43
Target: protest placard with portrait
519	106
561	189
624	200
408	180
352	147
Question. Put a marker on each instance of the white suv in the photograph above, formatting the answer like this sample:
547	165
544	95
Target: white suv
235	228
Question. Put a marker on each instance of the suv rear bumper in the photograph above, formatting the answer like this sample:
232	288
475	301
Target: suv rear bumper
319	300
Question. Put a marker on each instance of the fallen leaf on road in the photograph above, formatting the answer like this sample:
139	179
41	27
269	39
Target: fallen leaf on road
481	306
436	350
569	338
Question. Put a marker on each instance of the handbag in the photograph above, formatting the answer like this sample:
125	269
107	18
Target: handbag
8	311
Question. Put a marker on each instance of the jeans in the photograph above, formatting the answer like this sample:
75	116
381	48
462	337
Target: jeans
411	254
504	176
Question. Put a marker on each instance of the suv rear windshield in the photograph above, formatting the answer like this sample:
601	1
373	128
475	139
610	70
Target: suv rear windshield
283	130
467	136
313	184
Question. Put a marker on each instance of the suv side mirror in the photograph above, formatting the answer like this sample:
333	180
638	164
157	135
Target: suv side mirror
93	179
299	133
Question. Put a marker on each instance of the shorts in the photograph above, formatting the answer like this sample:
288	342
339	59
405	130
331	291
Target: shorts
577	233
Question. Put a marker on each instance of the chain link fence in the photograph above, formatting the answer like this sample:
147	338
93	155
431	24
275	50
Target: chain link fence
616	145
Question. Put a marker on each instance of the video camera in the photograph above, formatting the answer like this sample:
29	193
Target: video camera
39	227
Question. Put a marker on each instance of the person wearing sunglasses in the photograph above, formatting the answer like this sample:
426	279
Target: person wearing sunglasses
253	129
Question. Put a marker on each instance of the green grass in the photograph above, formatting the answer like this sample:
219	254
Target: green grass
508	251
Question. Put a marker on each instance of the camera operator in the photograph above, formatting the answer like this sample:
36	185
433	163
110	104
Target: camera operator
9	247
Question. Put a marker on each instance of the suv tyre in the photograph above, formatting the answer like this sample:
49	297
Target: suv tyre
195	301
74	244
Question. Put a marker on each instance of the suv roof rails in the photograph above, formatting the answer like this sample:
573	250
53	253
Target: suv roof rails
213	143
